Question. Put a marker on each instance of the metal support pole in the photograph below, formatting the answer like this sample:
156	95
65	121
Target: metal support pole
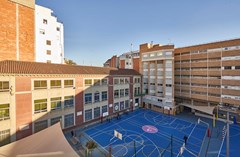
171	146
227	140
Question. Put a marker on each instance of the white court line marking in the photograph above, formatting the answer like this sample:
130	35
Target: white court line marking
222	144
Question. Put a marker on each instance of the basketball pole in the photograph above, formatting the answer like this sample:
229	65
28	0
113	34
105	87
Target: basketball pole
135	152
171	146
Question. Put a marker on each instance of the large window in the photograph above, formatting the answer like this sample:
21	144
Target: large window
96	97
48	42
69	120
96	82
104	96
88	115
41	84
4	86
55	120
121	92
104	109
104	81
88	98
136	91
116	81
126	103
116	93
96	112
137	80
68	101
68	83
121	80
55	83
40	105
38	126
122	105
4	137
126	80
88	82
4	111
56	103
126	92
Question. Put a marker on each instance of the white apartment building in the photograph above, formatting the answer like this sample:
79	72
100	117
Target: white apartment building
49	36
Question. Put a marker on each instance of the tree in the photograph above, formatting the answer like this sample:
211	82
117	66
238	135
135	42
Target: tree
90	146
69	61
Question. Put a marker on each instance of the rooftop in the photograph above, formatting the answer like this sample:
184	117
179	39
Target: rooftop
23	67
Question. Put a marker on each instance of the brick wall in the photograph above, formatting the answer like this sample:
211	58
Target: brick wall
8	33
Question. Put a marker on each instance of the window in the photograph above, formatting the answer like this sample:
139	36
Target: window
104	109
4	111
68	101
88	115
5	137
126	92
69	120
228	67
96	82
40	84
126	80
136	91
38	126
49	61
121	92
88	82
116	107
121	80
116	81
55	83
55	120
44	21
58	28
137	80
116	93
56	103
159	54
145	56
237	67
48	42
68	83
40	105
4	86
104	82
88	98
42	31
126	103
168	85
96	97
152	55
48	52
104	96
122	105
96	112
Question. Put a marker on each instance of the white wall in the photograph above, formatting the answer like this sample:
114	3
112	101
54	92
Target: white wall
51	33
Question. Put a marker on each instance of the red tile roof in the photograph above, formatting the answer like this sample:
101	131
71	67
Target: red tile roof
23	67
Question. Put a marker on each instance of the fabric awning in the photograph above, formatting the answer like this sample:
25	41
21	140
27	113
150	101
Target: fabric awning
49	142
205	109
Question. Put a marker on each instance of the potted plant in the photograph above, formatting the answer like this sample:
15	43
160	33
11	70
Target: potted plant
91	145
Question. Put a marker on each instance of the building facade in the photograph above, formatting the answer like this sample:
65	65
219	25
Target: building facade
17	37
157	68
49	33
35	96
129	60
112	62
208	75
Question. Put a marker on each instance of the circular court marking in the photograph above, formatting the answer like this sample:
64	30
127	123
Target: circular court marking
149	129
130	138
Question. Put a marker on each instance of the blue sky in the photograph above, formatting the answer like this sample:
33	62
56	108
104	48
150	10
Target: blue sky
95	30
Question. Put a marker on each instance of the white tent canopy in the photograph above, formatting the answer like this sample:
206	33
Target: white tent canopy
205	109
50	142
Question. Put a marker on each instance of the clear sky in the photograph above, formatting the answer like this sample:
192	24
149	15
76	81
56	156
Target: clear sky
95	30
